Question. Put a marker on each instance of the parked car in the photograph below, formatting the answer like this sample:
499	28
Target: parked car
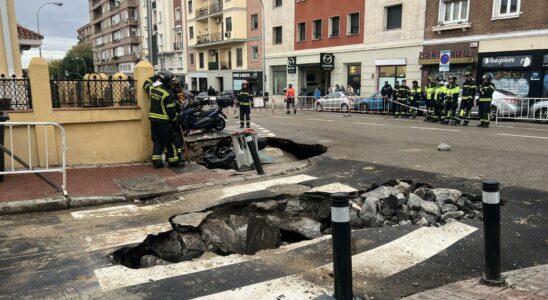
342	101
228	97
204	98
507	104
377	103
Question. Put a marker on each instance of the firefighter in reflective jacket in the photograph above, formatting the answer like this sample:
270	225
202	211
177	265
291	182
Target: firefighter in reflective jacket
162	116
416	96
244	101
452	92
485	97
469	89
439	97
430	94
402	96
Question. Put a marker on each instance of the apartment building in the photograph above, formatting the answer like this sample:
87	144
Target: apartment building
506	38
85	34
116	36
366	42
224	44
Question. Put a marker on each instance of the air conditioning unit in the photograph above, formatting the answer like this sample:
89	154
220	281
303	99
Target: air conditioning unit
218	20
227	34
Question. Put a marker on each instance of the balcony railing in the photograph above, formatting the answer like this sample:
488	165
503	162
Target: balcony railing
209	38
213	65
215	36
177	46
216	7
201	12
202	39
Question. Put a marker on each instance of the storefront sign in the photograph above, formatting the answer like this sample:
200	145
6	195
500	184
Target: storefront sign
292	65
445	60
454	54
507	61
247	75
327	61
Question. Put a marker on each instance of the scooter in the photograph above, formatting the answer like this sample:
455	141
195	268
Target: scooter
192	117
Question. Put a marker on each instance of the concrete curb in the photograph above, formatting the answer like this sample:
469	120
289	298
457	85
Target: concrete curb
60	203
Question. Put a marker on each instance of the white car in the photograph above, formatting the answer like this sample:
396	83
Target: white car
336	101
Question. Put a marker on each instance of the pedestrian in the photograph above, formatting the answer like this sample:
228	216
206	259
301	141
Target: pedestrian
342	88
451	100
386	93
317	94
211	91
163	117
430	99
244	101
402	92
485	97
439	98
337	88
415	97
469	90
290	99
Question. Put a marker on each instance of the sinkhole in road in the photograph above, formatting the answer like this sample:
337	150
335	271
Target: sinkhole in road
297	213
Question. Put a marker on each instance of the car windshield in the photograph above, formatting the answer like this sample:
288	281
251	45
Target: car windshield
507	93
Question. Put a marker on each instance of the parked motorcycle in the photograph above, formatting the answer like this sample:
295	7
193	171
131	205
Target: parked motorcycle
192	117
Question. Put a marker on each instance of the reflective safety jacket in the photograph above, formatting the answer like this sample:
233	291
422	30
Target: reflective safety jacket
162	102
430	91
452	92
244	99
416	93
440	92
402	93
486	92
469	90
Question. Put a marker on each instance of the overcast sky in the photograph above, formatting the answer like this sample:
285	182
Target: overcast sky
57	24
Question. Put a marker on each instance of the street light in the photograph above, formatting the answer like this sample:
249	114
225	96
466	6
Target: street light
38	20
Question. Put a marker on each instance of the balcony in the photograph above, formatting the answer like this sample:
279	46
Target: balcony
213	65
215	38
225	65
201	12
216	7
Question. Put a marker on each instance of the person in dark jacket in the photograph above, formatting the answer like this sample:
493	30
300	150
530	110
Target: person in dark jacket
211	91
163	117
386	93
486	91
244	101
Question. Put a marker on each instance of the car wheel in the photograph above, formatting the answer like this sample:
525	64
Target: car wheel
319	107
344	107
493	113
541	114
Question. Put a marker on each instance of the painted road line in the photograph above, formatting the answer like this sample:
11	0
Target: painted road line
282	117
293	287
431	128
524	136
323	120
118	276
374	124
231	191
128	236
372	118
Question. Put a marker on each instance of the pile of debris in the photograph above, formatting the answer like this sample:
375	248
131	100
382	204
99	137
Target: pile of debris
300	214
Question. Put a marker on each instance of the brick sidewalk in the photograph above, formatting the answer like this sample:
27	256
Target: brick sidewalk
99	181
530	283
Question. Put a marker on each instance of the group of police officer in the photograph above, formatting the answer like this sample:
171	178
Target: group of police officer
442	99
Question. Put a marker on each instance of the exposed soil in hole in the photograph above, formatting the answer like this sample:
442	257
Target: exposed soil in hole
246	228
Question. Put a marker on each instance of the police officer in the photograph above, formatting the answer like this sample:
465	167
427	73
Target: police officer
402	96
416	96
452	92
244	101
439	97
430	94
163	117
485	97
469	90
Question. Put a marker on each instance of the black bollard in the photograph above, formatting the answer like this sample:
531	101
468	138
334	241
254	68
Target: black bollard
254	154
342	256
491	232
3	118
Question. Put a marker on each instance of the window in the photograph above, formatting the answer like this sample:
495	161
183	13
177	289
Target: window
277	3
254	22
201	58
133	14
302	31
334	26
277	34
180	62
353	23
99	41
119	51
191	32
255	52
317	34
117	35
133	32
191	58
159	17
115	19
506	8
393	17
189	6
239	57
177	14
454	11
228	22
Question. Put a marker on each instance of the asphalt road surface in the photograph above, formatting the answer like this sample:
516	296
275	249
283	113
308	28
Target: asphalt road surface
515	153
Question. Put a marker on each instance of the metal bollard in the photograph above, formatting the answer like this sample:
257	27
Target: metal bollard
254	153
491	232
3	118
342	256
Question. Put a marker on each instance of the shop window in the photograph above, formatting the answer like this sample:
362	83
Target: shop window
515	82
277	34
334	26
317	34
279	79
453	11
254	22
393	17
301	27
353	24
391	74
506	8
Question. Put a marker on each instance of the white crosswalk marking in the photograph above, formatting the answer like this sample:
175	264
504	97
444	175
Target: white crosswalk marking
261	131
122	237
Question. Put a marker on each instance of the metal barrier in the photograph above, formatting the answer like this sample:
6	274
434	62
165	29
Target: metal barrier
517	108
30	169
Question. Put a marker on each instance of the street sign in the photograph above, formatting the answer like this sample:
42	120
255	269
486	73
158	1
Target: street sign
292	65
445	59
327	61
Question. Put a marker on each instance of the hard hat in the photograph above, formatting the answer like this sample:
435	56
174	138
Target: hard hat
468	73
165	76
487	77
